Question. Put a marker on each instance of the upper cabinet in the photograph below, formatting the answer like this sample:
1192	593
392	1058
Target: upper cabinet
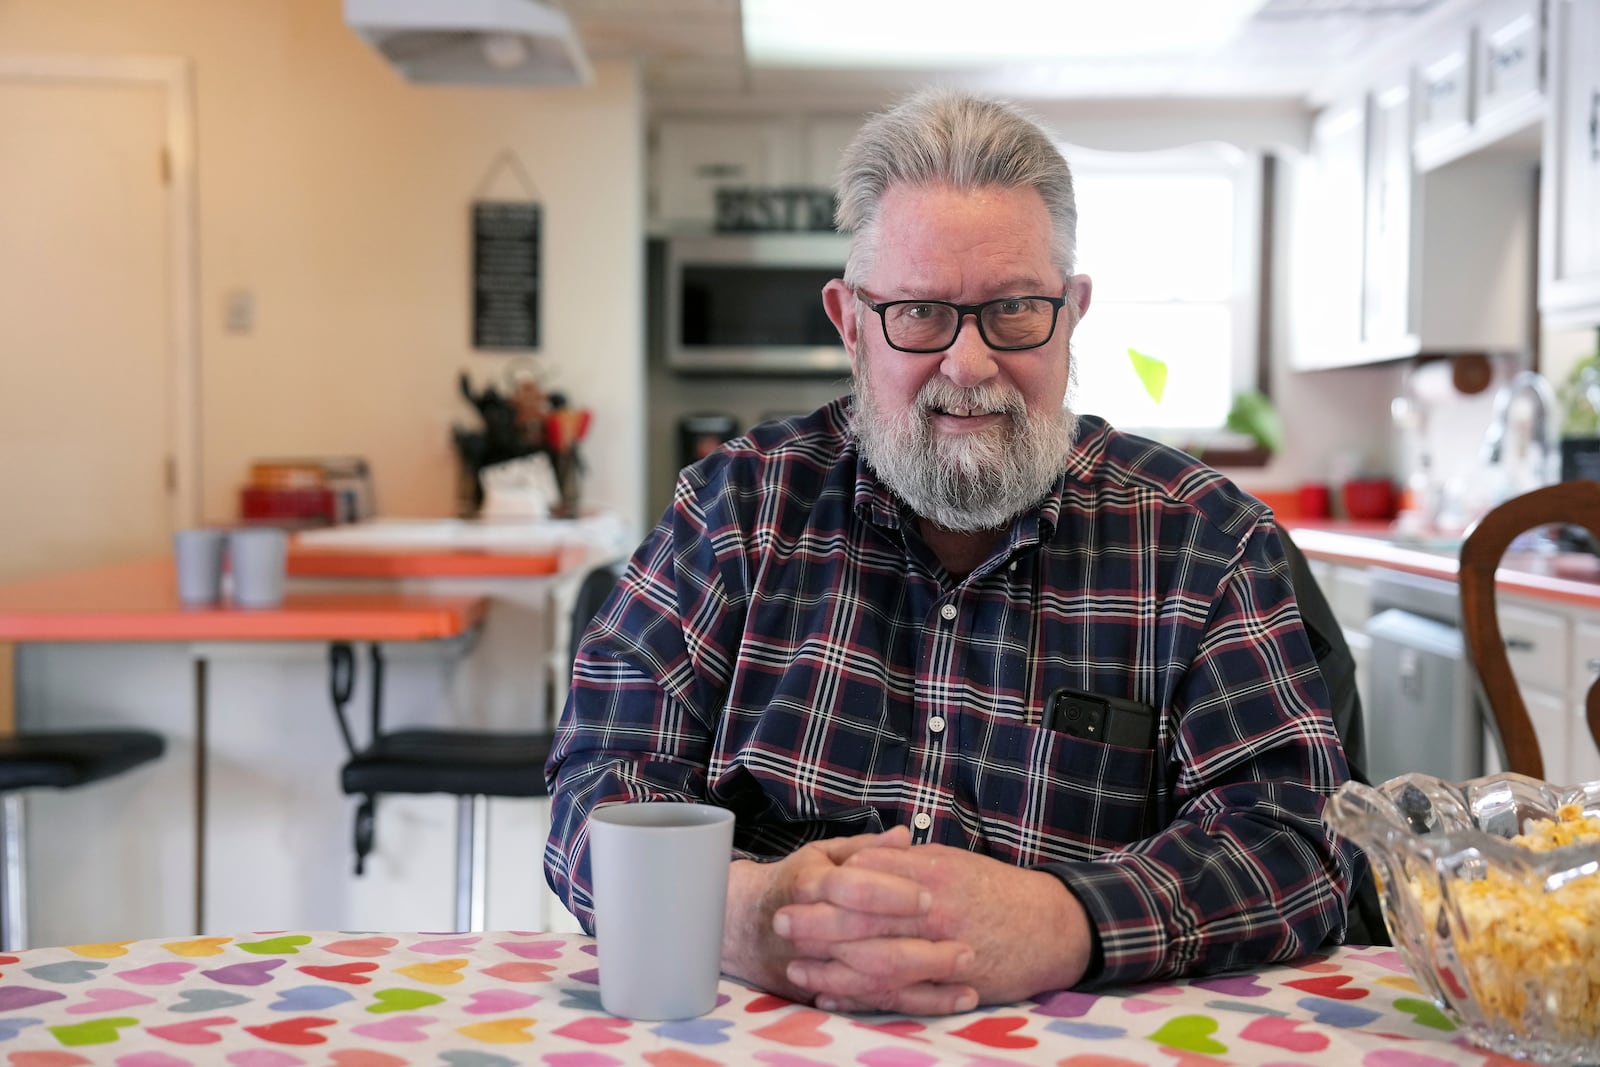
694	157
1479	80
1415	214
1569	283
1326	241
1508	87
1444	91
1387	314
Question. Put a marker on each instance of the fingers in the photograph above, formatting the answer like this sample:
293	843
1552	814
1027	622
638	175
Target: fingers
825	923
924	998
905	863
889	974
839	849
862	889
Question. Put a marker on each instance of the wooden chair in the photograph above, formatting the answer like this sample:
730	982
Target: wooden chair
1575	503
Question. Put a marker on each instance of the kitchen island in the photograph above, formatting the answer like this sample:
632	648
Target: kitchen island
242	824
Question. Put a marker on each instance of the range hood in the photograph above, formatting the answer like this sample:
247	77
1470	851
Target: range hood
472	42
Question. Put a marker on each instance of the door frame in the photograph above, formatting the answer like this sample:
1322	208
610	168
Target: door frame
175	78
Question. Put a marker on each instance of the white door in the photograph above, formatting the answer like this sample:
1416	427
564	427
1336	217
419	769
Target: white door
86	364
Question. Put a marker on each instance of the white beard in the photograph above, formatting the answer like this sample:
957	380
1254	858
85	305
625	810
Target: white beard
971	481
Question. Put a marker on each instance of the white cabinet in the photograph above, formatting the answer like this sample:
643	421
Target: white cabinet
1444	91
1348	590
1555	655
1387	318
1479	80
1539	647
694	156
825	140
1569	284
1381	253
1585	758
1508	90
1327	251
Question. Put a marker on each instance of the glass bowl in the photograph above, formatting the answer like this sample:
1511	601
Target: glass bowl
1505	938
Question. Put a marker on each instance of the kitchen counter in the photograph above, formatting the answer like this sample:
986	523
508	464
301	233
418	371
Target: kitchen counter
1567	578
325	561
139	602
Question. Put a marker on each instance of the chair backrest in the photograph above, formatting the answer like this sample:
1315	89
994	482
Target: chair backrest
1575	503
591	595
1334	658
1365	925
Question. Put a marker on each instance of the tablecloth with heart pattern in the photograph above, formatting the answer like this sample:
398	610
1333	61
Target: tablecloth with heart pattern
503	999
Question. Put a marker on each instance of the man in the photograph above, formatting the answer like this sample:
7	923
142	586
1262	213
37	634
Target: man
851	629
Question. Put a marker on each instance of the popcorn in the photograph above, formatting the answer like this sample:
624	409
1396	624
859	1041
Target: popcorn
1522	942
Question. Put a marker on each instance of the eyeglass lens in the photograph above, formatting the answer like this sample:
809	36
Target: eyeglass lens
1018	322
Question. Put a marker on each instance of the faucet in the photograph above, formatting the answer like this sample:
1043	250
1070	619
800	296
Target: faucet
1544	431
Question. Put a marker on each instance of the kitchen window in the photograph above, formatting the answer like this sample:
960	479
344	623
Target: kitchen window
1172	240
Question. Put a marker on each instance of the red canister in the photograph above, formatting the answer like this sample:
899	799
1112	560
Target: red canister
1315	501
1369	498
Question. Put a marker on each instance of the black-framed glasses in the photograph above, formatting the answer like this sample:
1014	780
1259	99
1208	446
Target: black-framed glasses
1006	324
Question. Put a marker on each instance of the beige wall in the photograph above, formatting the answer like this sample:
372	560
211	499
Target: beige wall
337	196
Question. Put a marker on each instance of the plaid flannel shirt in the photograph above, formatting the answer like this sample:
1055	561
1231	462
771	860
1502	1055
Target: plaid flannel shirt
785	645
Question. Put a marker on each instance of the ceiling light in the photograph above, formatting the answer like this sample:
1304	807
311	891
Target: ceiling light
472	42
887	34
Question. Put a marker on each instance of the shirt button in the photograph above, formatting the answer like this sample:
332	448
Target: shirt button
1013	566
948	611
936	724
922	820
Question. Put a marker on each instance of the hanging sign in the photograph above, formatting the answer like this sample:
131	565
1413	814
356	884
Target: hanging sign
505	274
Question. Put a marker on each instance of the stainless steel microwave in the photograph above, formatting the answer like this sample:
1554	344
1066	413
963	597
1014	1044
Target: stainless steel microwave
752	303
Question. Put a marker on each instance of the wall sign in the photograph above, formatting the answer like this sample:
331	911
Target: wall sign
785	209
505	274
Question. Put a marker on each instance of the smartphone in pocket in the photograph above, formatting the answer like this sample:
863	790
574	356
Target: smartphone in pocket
1096	717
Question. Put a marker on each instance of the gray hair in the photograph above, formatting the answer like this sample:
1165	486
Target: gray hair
950	137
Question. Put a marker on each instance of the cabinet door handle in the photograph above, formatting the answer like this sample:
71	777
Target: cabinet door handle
1518	644
1503	58
1592	665
1594	126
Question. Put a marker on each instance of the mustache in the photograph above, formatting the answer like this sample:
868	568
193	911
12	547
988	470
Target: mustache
940	394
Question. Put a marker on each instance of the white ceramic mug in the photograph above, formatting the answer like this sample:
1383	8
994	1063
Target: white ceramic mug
660	877
197	556
259	556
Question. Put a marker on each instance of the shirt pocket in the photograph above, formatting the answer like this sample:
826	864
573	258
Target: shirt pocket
1073	797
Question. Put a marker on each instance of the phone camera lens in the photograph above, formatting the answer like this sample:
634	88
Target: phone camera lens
1074	711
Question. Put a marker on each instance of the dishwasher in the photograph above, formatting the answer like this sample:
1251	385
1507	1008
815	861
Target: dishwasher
1425	712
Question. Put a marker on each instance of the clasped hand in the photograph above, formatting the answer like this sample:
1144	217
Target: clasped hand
870	923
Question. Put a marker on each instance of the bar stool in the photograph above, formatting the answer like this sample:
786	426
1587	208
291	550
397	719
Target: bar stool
471	765
53	761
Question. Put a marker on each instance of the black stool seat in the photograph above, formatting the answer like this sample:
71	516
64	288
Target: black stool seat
65	760
450	761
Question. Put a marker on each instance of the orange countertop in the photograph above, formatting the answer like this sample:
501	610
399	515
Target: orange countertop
139	602
325	561
1571	578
